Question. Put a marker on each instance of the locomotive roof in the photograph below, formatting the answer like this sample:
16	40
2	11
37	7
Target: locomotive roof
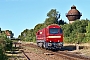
48	26
53	24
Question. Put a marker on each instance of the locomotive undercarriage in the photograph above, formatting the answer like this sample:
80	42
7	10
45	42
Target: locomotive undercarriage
50	45
54	45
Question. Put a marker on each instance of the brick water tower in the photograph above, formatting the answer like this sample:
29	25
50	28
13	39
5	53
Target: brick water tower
73	14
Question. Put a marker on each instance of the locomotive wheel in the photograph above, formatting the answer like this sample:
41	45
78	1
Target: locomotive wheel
43	45
38	44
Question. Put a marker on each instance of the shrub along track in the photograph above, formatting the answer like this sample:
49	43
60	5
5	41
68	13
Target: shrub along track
56	55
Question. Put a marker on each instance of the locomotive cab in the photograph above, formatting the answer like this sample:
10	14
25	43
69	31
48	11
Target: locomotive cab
55	37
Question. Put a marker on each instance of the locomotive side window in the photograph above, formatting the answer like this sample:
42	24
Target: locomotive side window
60	30
53	30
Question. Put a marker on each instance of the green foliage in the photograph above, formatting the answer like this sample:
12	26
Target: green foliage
2	54
53	17
75	32
61	22
34	39
27	35
67	29
8	44
30	35
3	45
80	25
38	27
49	21
88	32
79	37
52	13
67	40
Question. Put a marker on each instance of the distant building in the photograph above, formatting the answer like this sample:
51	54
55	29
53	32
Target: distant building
73	14
9	34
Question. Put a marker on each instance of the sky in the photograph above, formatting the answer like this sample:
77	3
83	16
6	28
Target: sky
18	15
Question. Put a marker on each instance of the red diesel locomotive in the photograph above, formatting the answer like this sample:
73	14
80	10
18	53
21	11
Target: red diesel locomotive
50	37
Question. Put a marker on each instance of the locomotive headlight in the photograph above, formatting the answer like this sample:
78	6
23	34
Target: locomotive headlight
58	41
49	44
50	41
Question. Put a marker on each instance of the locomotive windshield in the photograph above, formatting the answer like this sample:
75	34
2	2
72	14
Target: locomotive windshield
60	30
53	30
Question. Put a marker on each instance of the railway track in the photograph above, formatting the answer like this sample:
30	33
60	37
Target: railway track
66	55
41	56
70	56
27	57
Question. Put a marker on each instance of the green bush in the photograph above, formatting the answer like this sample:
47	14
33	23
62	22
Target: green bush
2	53
8	44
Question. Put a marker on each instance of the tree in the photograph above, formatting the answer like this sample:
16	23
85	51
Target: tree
53	17
5	44
80	25
67	29
30	35
38	27
27	35
71	31
88	32
61	22
23	35
53	13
